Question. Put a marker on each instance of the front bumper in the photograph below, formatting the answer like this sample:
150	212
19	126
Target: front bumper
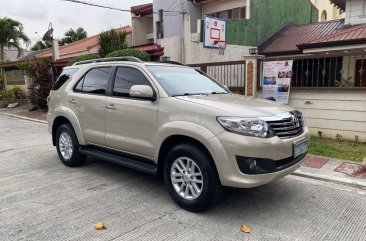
228	149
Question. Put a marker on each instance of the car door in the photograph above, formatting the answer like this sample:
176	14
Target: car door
130	122
87	101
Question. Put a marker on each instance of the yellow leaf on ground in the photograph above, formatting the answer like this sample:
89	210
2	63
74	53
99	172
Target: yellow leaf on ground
245	229
99	226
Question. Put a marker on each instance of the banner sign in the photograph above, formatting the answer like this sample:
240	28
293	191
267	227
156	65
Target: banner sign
277	80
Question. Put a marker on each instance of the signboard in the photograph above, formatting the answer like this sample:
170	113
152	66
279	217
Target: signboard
214	32
277	80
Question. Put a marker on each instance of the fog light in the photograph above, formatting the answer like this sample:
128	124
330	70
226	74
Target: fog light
253	164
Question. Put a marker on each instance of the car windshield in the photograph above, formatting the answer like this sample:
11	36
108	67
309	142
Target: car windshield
179	81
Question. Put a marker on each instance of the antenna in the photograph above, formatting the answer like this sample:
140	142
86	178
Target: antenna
48	36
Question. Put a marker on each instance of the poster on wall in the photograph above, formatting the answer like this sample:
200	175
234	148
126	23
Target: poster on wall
214	32
277	80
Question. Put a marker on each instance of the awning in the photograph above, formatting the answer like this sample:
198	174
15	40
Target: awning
152	49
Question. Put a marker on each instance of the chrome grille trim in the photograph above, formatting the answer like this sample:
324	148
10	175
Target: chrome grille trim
286	125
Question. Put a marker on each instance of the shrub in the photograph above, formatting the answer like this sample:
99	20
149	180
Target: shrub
82	58
41	85
130	52
6	97
17	91
110	41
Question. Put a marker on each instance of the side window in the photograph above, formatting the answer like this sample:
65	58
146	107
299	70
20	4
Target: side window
94	82
64	76
125	79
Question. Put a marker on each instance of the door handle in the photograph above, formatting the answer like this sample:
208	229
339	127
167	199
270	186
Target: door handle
110	107
73	101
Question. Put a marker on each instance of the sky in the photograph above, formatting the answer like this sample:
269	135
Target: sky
35	15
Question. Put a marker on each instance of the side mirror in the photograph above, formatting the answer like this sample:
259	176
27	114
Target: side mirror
142	91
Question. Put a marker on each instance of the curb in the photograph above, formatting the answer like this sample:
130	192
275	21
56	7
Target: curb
336	180
24	118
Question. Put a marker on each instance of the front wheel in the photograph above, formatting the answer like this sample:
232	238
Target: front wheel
190	178
67	146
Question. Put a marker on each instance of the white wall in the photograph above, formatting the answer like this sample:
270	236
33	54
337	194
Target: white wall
196	53
355	12
223	5
141	26
172	47
333	112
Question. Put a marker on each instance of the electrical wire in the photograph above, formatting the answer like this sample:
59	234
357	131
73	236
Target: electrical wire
109	7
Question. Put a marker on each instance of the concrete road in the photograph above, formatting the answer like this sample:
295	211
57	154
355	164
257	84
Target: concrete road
40	199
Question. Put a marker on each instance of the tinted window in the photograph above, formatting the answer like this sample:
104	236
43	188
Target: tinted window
185	81
65	75
95	81
126	78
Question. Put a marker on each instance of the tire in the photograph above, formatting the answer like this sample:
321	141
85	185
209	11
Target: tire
203	190
67	146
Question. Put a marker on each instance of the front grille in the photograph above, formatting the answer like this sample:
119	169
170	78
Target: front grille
288	126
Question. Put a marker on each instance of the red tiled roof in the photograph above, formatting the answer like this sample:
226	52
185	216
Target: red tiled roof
142	10
80	46
286	40
152	49
349	35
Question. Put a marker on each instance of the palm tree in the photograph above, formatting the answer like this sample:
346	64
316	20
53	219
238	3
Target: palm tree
73	35
39	45
11	33
111	41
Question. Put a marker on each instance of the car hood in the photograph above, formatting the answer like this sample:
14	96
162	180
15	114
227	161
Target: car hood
238	105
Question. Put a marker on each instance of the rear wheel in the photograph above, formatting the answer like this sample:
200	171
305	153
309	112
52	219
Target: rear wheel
67	146
191	178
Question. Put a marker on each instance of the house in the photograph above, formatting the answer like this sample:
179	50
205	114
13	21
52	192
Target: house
143	31
89	45
12	74
329	63
328	11
178	25
84	46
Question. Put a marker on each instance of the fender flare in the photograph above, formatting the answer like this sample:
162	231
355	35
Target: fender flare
64	111
182	128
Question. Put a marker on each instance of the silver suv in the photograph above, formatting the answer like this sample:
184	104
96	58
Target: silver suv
175	122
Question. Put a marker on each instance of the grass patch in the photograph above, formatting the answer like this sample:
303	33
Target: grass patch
340	149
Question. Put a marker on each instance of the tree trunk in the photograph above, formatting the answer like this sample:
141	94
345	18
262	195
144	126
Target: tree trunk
2	57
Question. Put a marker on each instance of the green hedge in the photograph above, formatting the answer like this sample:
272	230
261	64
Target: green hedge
130	52
82	58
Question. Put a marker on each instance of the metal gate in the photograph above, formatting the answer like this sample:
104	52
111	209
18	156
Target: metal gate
231	74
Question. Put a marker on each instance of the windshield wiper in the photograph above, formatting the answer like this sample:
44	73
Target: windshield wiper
186	94
217	93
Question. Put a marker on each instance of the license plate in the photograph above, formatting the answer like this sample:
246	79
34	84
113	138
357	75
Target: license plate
300	147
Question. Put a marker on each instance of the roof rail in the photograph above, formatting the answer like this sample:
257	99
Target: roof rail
125	58
171	62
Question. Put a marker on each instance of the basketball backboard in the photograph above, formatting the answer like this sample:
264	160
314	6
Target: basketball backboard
214	32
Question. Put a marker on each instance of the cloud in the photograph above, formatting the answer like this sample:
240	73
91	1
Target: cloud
37	14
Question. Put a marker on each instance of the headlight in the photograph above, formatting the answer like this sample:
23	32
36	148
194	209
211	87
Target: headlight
244	126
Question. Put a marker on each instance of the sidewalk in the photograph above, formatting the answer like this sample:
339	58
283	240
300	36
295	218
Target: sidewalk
22	111
341	172
333	170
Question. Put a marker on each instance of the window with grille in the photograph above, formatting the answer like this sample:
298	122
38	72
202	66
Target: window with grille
322	72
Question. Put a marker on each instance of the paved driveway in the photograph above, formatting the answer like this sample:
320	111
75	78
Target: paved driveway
40	199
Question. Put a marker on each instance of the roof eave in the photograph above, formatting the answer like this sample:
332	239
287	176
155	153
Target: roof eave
331	44
280	53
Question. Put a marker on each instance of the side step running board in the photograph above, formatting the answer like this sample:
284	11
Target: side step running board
119	160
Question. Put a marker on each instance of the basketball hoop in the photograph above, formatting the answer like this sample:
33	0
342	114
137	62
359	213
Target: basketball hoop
221	45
